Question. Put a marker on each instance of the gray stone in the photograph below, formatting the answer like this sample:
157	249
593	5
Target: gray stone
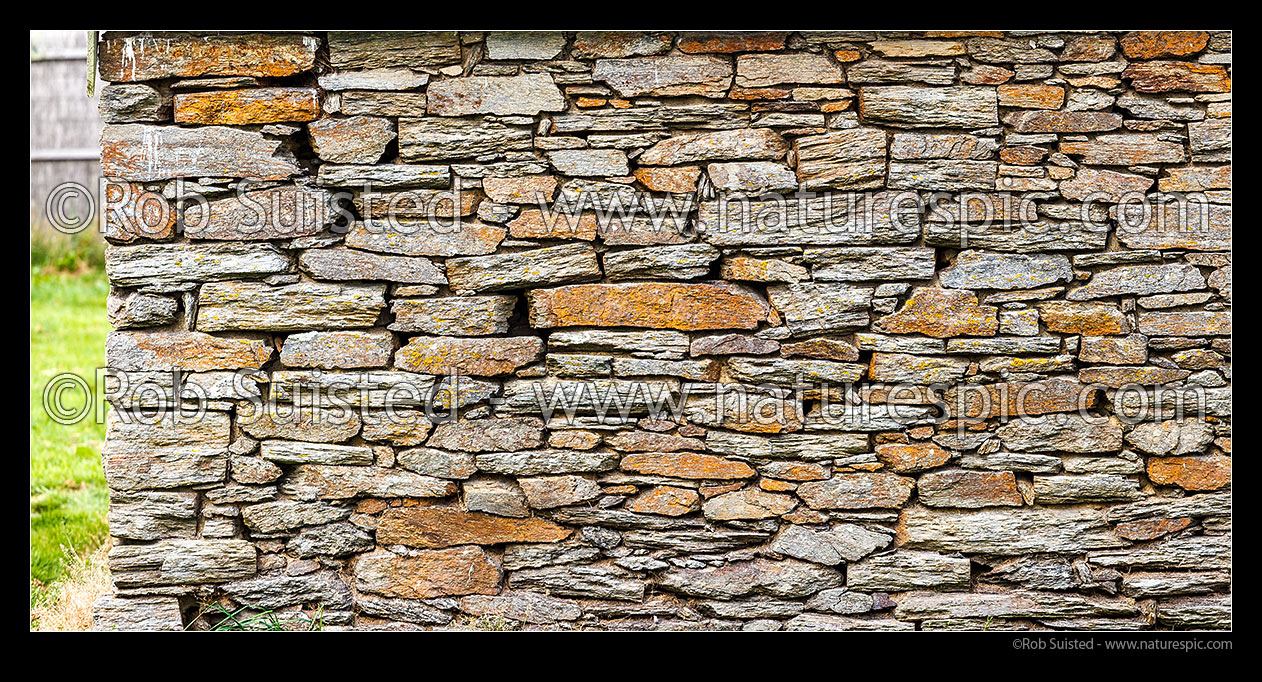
287	515
538	462
550	266
342	264
580	581
159	264
983	270
154	515
1008	531
441	139
670	75
111	614
332	540
858	264
181	562
453	316
809	308
905	570
233	306
1141	280
849	159
922	107
526	95
1066	433
841	543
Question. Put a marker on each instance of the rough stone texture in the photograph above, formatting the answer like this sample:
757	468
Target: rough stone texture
791	330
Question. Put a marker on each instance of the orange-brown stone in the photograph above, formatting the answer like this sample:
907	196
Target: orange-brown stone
686	465
185	55
681	179
434	527
656	305
966	489
526	189
912	457
1177	76
534	224
1031	96
666	501
727	43
1092	319
477	356
247	107
1151	529
427	574
1203	472
941	313
1153	44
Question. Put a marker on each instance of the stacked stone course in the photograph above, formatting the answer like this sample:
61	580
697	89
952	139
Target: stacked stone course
854	507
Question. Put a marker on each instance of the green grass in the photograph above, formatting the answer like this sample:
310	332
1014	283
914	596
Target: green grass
68	493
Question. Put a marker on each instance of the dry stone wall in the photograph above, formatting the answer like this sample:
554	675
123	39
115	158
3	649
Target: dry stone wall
815	330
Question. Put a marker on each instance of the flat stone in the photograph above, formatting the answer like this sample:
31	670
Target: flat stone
479	357
592	582
836	545
163	453
725	145
618	44
1124	149
1083	318
182	562
853	264
545	462
163	264
905	570
427	574
857	491
1154	44
391	176
665	500
1208	472
374	79
454	315
392	49
1062	121
112	614
287	515
282	212
437	527
922	107
968	489
524	44
686	307
686	465
443	139
1104	185
1189	323
1084	488
146	153
1177	76
848	159
251	106
941	313
525	607
425	238
231	306
1007	531
151	56
342	264
749	503
298	452
808	308
789	579
751	177
344	482
554	265
1065	433
984	270
336	350
153	515
917	369
765	70
670	75
354	140
186	351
